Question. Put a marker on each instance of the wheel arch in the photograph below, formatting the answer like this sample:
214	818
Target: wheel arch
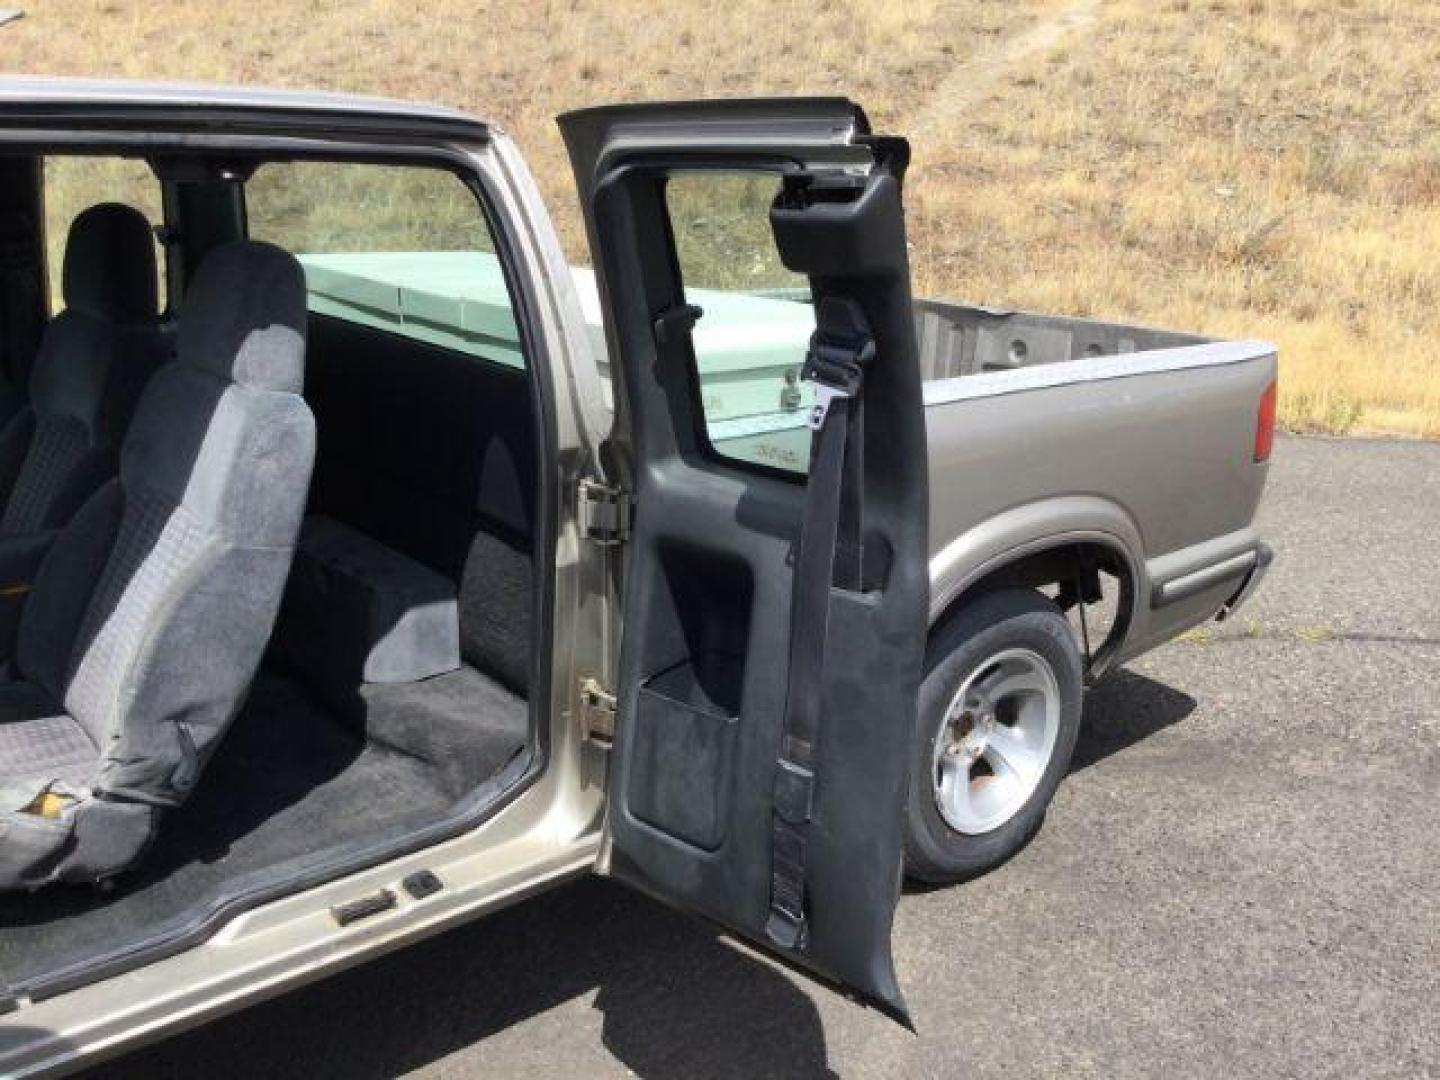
1041	543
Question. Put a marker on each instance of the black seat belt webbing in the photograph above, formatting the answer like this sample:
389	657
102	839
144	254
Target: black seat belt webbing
839	352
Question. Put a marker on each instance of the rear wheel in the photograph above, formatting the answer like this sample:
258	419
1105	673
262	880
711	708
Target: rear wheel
998	713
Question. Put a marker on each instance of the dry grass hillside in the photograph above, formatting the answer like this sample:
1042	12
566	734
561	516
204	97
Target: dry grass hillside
1242	167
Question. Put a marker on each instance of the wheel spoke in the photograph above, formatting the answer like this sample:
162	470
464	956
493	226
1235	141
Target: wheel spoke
995	796
1007	680
955	788
1009	754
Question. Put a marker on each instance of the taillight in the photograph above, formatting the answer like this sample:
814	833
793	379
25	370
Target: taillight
1265	423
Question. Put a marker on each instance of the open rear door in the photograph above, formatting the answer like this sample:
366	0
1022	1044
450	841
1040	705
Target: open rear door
774	622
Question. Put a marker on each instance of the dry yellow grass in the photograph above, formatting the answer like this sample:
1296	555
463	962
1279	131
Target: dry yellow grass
1241	167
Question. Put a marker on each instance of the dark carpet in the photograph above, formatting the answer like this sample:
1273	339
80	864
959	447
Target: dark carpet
290	781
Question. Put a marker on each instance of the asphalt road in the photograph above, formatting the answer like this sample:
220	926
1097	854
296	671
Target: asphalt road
1240	878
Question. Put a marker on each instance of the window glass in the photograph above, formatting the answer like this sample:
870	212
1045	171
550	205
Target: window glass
405	249
73	185
750	343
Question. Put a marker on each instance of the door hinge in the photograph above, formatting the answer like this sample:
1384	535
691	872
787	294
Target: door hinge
604	513
597	711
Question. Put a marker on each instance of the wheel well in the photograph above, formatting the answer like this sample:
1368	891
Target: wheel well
1092	582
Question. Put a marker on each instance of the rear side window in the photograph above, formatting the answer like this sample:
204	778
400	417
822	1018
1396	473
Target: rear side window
404	249
751	341
73	184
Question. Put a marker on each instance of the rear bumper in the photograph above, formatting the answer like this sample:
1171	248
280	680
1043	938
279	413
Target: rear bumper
1264	556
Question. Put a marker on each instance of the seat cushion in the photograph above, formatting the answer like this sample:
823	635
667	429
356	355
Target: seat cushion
39	741
42	750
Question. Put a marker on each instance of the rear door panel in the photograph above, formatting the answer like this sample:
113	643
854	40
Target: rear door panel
704	662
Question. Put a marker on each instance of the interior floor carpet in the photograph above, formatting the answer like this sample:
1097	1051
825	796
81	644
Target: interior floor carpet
290	781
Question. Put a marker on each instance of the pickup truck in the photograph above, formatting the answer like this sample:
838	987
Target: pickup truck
367	566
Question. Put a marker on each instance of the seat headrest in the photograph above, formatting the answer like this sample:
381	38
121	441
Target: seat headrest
110	265
244	317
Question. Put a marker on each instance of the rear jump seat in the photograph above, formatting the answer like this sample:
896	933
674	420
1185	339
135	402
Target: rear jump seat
356	611
408	615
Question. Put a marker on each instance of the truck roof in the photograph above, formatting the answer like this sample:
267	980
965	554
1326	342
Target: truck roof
45	97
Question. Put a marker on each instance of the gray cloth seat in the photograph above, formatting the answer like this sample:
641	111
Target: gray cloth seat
36	734
94	360
152	609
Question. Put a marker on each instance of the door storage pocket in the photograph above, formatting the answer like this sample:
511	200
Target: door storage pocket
683	743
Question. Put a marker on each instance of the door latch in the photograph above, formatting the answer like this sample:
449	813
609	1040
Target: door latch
604	513
597	711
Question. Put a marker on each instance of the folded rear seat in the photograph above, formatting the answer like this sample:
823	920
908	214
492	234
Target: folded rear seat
358	612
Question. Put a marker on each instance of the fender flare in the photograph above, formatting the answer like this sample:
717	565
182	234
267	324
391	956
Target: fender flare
1031	528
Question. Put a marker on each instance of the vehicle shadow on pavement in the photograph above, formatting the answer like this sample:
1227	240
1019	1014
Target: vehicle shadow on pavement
1122	709
673	998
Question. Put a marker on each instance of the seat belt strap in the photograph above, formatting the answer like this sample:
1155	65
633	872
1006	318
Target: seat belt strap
840	350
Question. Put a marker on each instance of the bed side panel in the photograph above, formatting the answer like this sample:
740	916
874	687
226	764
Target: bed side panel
1169	450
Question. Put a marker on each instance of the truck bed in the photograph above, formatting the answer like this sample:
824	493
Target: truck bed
1040	427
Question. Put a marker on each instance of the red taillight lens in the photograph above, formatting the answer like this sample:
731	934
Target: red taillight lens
1265	423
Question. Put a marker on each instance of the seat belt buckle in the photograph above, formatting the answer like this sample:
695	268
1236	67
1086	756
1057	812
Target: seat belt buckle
794	792
786	929
824	395
837	371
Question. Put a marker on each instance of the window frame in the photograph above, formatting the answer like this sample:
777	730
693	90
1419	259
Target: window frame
487	222
475	161
704	442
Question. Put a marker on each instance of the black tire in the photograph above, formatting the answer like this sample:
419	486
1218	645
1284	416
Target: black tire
985	626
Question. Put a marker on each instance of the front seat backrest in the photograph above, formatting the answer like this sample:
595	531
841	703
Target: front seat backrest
93	362
150	614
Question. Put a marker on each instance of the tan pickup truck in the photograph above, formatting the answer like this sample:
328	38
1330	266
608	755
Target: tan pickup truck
365	566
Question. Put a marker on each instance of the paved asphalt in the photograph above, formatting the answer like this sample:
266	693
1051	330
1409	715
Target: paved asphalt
1240	878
